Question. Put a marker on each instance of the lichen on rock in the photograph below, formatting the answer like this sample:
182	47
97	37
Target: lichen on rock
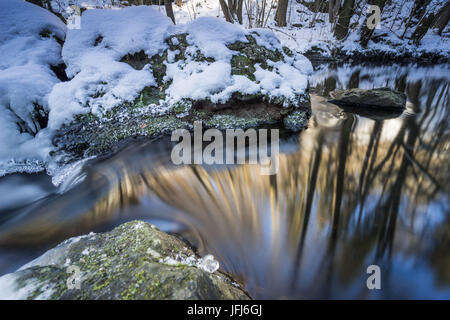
133	261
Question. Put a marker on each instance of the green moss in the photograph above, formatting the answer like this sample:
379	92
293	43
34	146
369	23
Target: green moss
296	120
288	51
179	45
91	135
163	124
256	53
137	60
158	67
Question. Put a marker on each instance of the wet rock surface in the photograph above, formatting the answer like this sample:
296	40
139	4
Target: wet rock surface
133	261
90	135
380	98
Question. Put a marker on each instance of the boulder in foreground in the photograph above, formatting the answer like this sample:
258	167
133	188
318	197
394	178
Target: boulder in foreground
133	261
380	98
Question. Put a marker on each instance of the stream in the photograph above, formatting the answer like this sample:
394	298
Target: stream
354	189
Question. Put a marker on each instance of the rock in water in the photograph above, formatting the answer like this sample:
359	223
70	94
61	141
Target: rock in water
133	261
380	98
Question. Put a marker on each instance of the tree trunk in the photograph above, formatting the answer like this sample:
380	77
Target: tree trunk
281	13
416	13
317	8
333	9
422	28
239	10
345	14
366	33
169	10
225	10
442	18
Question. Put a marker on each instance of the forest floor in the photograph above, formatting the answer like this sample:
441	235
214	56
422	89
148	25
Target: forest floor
312	34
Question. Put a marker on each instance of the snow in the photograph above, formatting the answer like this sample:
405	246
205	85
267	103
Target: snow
102	84
208	263
300	35
25	80
99	81
198	78
128	30
211	36
318	34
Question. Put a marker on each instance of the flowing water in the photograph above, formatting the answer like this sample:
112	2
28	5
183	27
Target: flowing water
352	190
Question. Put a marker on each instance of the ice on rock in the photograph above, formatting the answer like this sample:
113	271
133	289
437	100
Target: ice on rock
208	264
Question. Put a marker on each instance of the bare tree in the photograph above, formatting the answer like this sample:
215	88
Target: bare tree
169	9
232	10
333	9
280	14
318	6
417	12
440	19
345	14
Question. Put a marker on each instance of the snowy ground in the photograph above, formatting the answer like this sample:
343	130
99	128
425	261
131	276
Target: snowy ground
303	34
28	47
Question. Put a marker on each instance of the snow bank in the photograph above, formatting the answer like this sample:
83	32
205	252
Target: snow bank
185	62
29	44
101	81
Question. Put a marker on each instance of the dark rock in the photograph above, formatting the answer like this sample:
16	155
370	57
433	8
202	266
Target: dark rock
380	98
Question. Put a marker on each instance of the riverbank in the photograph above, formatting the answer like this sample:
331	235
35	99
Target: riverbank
134	261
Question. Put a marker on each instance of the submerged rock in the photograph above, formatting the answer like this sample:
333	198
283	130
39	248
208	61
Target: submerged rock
133	261
380	98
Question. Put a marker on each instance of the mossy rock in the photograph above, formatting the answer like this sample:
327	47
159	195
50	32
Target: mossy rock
90	135
379	98
133	261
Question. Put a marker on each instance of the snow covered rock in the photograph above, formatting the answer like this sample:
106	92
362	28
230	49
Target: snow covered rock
30	57
134	73
133	261
66	95
380	98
